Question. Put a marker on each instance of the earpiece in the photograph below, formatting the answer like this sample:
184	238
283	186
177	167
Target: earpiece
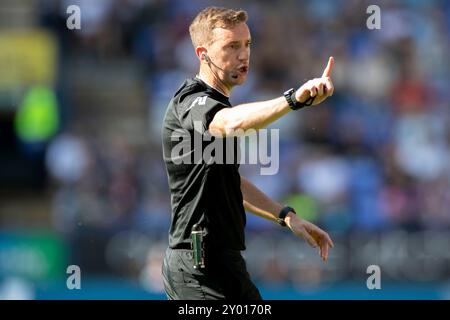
208	59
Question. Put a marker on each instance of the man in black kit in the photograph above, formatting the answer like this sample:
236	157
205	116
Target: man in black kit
211	195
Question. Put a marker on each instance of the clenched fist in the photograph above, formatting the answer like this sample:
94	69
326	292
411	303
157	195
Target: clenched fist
318	88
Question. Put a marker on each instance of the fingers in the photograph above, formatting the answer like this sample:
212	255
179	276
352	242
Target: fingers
325	244
329	87
324	251
328	68
319	87
316	237
329	241
325	238
312	242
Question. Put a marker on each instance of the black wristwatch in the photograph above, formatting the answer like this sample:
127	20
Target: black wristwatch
283	214
293	103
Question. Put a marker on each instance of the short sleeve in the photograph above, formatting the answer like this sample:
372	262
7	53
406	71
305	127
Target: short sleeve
197	112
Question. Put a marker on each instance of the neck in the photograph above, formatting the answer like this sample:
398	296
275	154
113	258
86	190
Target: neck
212	79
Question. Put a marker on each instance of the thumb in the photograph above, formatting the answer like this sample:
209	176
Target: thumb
328	68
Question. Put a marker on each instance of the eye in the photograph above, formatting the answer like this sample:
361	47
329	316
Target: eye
248	44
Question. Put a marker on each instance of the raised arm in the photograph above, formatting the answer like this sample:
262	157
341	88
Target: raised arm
258	115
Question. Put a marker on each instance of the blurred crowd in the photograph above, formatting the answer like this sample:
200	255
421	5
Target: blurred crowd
374	157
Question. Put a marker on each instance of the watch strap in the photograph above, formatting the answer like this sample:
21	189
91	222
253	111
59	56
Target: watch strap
282	215
293	103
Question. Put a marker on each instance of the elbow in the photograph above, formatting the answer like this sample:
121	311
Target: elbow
223	127
233	128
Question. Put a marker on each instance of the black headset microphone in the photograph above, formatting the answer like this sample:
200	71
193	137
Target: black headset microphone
208	59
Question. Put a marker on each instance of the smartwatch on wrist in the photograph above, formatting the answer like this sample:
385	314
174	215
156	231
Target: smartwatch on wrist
283	214
293	103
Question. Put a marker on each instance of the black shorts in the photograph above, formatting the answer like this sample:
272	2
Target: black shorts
225	276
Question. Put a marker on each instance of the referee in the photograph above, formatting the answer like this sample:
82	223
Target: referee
208	199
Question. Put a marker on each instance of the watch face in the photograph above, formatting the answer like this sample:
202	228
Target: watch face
288	91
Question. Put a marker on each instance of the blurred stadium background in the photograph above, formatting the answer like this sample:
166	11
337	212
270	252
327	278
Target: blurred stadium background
81	176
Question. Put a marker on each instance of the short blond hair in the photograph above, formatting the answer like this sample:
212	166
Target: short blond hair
213	17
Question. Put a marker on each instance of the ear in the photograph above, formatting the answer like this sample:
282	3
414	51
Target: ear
201	52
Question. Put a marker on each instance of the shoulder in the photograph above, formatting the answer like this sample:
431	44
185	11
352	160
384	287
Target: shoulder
192	93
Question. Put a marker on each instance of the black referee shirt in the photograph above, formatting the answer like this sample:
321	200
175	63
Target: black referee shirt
201	192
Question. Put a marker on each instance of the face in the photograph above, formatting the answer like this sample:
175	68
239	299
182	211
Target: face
230	51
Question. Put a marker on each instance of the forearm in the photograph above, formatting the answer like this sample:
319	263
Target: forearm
256	202
254	115
258	115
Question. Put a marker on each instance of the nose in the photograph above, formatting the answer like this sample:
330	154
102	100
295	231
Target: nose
244	55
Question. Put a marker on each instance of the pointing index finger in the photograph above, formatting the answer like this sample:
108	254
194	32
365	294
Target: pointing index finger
329	68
